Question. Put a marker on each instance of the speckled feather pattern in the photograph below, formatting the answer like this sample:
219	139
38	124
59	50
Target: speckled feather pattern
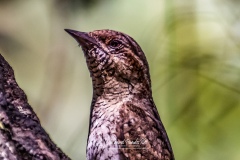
21	134
124	122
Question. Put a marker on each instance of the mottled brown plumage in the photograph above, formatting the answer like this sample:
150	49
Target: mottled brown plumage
21	134
124	121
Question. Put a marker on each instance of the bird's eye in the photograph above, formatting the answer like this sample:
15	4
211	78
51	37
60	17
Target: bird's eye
115	44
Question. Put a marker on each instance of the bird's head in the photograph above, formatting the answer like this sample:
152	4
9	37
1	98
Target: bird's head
114	60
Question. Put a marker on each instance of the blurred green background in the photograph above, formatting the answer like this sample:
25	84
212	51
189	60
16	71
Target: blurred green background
193	49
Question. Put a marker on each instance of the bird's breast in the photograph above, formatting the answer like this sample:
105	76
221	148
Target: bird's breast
103	133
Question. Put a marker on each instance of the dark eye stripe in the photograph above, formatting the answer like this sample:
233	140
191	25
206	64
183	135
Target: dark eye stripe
115	44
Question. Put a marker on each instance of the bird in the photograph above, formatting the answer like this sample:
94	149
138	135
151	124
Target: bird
22	136
124	121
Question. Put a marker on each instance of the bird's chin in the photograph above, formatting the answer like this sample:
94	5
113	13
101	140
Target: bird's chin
87	52
86	47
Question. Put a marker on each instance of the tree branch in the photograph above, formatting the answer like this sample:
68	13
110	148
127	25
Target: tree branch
21	134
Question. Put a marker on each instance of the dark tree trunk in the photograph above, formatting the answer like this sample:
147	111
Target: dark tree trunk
21	134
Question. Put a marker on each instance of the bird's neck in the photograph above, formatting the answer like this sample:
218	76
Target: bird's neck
111	97
116	89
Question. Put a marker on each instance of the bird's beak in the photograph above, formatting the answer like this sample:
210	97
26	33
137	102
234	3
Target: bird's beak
82	38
